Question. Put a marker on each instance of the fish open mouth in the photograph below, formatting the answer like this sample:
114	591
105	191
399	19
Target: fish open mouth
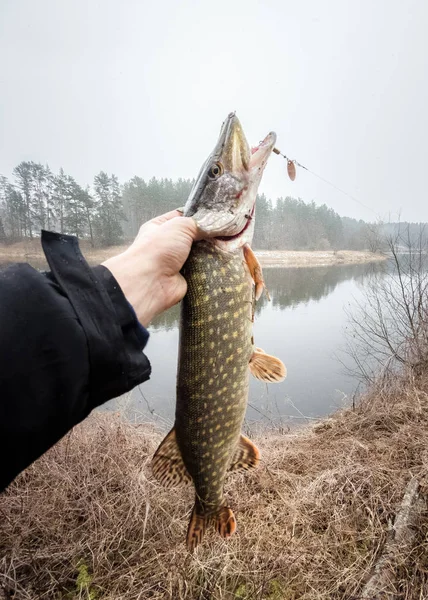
265	147
249	217
222	200
257	163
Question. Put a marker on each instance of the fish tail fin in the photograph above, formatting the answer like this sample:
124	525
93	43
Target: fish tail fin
196	530
225	522
223	519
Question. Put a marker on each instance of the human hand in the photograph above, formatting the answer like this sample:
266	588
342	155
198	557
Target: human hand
148	272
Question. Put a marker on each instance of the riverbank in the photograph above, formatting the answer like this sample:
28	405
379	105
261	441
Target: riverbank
30	251
316	258
88	520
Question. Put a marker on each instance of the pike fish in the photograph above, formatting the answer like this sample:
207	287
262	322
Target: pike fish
216	349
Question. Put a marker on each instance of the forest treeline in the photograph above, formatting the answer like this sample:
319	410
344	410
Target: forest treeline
109	213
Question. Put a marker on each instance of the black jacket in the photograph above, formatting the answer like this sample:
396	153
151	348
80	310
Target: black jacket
69	341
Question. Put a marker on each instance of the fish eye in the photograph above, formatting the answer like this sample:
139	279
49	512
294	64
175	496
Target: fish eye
215	171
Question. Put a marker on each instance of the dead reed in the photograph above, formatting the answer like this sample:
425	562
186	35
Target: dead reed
87	520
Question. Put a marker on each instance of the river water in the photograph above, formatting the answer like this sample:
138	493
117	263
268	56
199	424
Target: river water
304	325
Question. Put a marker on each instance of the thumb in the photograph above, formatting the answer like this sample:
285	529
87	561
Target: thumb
184	225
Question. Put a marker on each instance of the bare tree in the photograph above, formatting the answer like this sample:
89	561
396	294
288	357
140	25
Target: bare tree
389	328
374	237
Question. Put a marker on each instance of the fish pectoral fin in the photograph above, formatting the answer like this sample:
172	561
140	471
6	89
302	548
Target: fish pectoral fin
266	367
246	457
167	463
255	271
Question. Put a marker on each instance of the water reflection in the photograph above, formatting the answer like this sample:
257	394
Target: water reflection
303	325
289	287
292	286
167	320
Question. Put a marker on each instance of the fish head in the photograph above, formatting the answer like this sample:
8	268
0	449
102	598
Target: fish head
222	200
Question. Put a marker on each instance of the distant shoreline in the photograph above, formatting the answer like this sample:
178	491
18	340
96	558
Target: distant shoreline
30	251
316	258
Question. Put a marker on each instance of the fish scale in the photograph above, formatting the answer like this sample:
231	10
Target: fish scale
216	350
213	375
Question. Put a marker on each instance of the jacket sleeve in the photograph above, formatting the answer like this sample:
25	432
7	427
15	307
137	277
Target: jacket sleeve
69	341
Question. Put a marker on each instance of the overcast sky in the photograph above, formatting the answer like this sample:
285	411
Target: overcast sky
137	87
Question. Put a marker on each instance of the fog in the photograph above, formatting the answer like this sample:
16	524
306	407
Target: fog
142	88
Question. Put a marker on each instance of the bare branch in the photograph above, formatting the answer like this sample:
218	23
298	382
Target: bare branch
389	327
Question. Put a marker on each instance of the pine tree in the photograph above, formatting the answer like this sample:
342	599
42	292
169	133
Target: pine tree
78	204
23	175
109	209
3	238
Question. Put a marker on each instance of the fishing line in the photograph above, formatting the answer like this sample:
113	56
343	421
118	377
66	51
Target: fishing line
291	170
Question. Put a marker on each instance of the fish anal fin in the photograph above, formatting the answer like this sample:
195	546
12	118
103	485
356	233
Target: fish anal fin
167	463
255	271
246	456
266	367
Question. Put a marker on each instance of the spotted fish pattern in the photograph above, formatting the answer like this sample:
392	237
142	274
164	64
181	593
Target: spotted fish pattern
213	374
216	355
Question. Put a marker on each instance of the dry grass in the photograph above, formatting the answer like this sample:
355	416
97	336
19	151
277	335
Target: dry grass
31	251
87	520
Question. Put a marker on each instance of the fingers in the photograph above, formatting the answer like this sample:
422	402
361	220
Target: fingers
174	290
157	222
184	225
180	287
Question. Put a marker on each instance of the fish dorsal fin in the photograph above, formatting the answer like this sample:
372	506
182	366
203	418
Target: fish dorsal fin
167	464
246	457
266	367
